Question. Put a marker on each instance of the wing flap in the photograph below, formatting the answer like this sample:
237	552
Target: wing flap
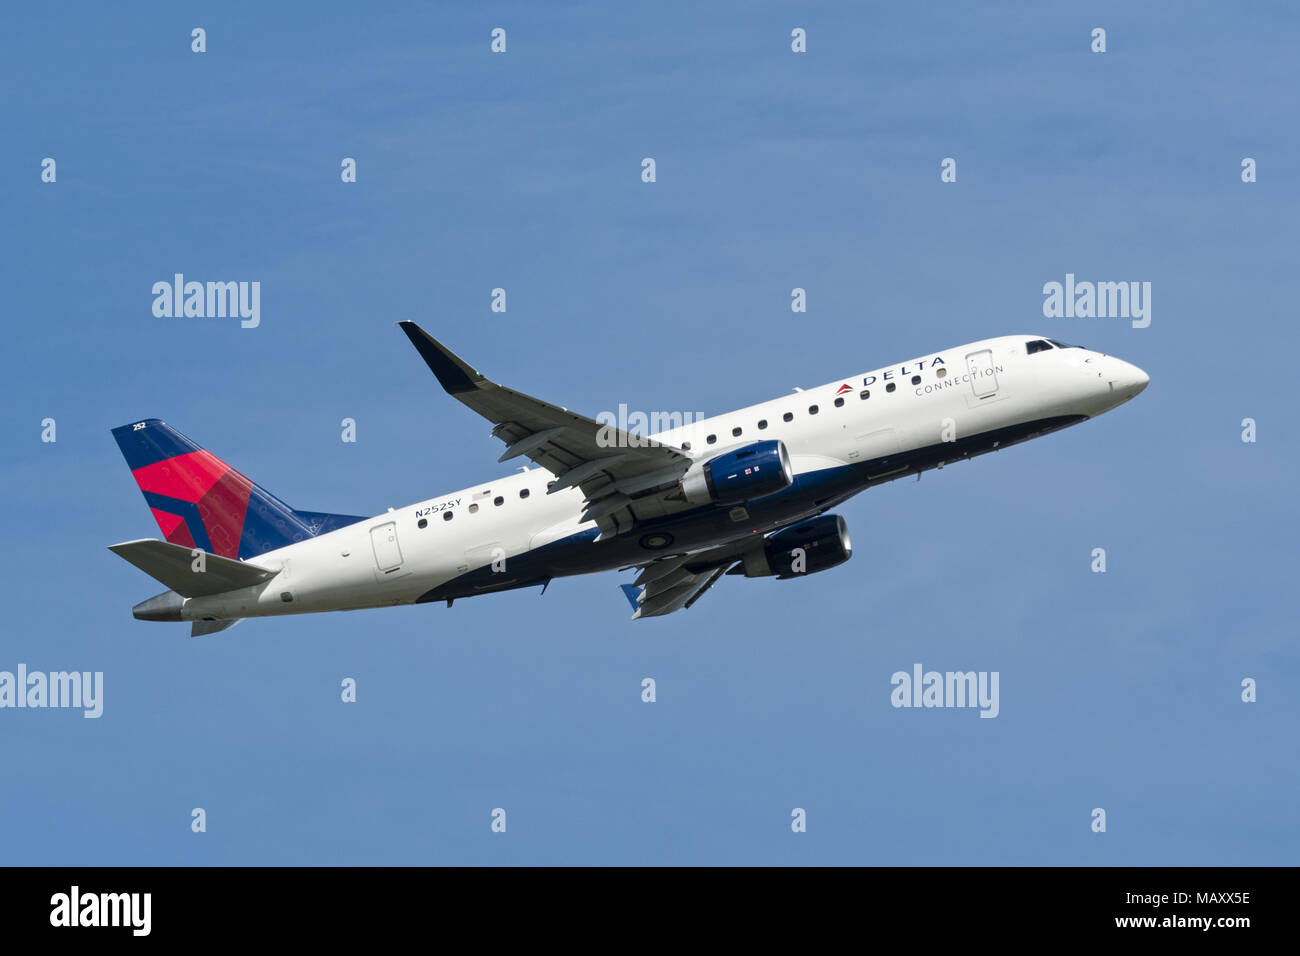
674	584
657	598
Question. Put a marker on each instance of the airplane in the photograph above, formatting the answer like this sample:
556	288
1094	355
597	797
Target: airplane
746	493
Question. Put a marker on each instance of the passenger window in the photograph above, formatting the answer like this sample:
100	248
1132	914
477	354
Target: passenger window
839	402
864	394
686	446
446	516
942	373
889	387
762	423
473	509
498	501
916	380
788	417
523	492
422	523
735	432
812	409
711	439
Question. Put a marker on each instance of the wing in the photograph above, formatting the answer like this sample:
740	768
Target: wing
622	475
674	584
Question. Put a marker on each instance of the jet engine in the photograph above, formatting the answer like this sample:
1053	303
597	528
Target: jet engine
741	474
805	548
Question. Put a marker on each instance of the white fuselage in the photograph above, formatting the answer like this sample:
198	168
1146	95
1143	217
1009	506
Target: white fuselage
401	555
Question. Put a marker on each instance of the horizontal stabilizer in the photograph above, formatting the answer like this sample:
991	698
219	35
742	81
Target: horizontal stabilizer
174	566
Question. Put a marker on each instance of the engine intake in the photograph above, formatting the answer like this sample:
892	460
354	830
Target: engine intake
806	548
741	474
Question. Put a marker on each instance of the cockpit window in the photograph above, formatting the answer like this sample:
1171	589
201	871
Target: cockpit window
1037	345
1062	345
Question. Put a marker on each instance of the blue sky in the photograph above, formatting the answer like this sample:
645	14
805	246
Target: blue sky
775	170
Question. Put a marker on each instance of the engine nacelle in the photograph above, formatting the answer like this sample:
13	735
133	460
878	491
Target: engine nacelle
806	548
741	474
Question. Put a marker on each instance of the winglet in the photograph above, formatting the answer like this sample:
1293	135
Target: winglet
633	594
452	372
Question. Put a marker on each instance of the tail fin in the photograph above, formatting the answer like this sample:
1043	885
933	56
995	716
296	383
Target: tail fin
201	502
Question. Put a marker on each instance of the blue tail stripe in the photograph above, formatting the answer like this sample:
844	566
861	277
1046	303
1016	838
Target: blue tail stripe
188	510
151	444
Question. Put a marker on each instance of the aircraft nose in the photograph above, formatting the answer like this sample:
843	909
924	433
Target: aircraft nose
1137	379
1127	378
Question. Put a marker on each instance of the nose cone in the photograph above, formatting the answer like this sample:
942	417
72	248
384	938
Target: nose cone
1130	380
1120	380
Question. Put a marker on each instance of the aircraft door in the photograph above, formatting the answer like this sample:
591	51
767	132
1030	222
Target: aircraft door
983	377
388	555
